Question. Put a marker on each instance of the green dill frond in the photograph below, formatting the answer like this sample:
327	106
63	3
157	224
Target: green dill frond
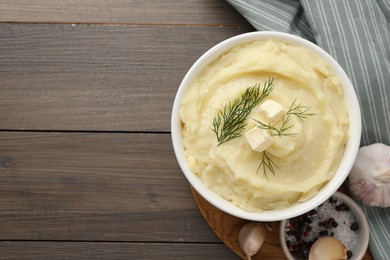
231	120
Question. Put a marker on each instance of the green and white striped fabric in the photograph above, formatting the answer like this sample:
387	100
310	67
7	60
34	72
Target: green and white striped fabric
357	34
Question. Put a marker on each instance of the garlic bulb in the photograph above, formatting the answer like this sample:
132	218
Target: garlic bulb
251	237
369	179
328	248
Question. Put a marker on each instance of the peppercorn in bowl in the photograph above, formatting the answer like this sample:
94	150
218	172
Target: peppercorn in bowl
266	126
339	219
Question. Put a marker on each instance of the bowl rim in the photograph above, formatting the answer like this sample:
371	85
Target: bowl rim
360	217
350	150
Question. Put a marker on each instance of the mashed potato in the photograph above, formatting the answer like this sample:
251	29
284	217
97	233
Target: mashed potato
306	160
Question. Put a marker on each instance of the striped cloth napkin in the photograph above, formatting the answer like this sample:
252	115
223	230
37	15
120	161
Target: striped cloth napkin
357	34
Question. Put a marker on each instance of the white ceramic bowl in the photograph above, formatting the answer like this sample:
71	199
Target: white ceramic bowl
363	232
351	147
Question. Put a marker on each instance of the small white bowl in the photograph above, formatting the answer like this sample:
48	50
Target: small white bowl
351	147
363	232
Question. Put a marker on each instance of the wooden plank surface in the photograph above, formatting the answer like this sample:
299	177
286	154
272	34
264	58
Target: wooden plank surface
207	12
86	163
100	187
122	78
104	250
70	69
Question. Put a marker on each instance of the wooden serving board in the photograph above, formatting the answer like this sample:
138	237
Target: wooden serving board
226	227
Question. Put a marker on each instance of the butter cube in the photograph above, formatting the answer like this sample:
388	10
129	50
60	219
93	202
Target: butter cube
258	139
271	110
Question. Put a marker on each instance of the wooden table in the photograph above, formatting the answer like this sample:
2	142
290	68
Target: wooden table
86	163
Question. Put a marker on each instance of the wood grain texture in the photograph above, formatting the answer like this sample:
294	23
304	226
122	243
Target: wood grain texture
99	187
102	250
121	78
211	12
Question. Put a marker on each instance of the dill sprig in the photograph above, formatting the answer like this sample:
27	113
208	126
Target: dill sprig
267	165
298	110
230	121
281	131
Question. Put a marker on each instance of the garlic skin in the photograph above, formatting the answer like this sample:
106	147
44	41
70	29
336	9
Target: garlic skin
251	237
328	248
369	179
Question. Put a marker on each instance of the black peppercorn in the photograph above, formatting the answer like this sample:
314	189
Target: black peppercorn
354	226
349	254
323	232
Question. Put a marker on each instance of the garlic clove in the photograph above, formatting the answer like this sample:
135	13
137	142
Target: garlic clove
369	179
328	248
251	237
